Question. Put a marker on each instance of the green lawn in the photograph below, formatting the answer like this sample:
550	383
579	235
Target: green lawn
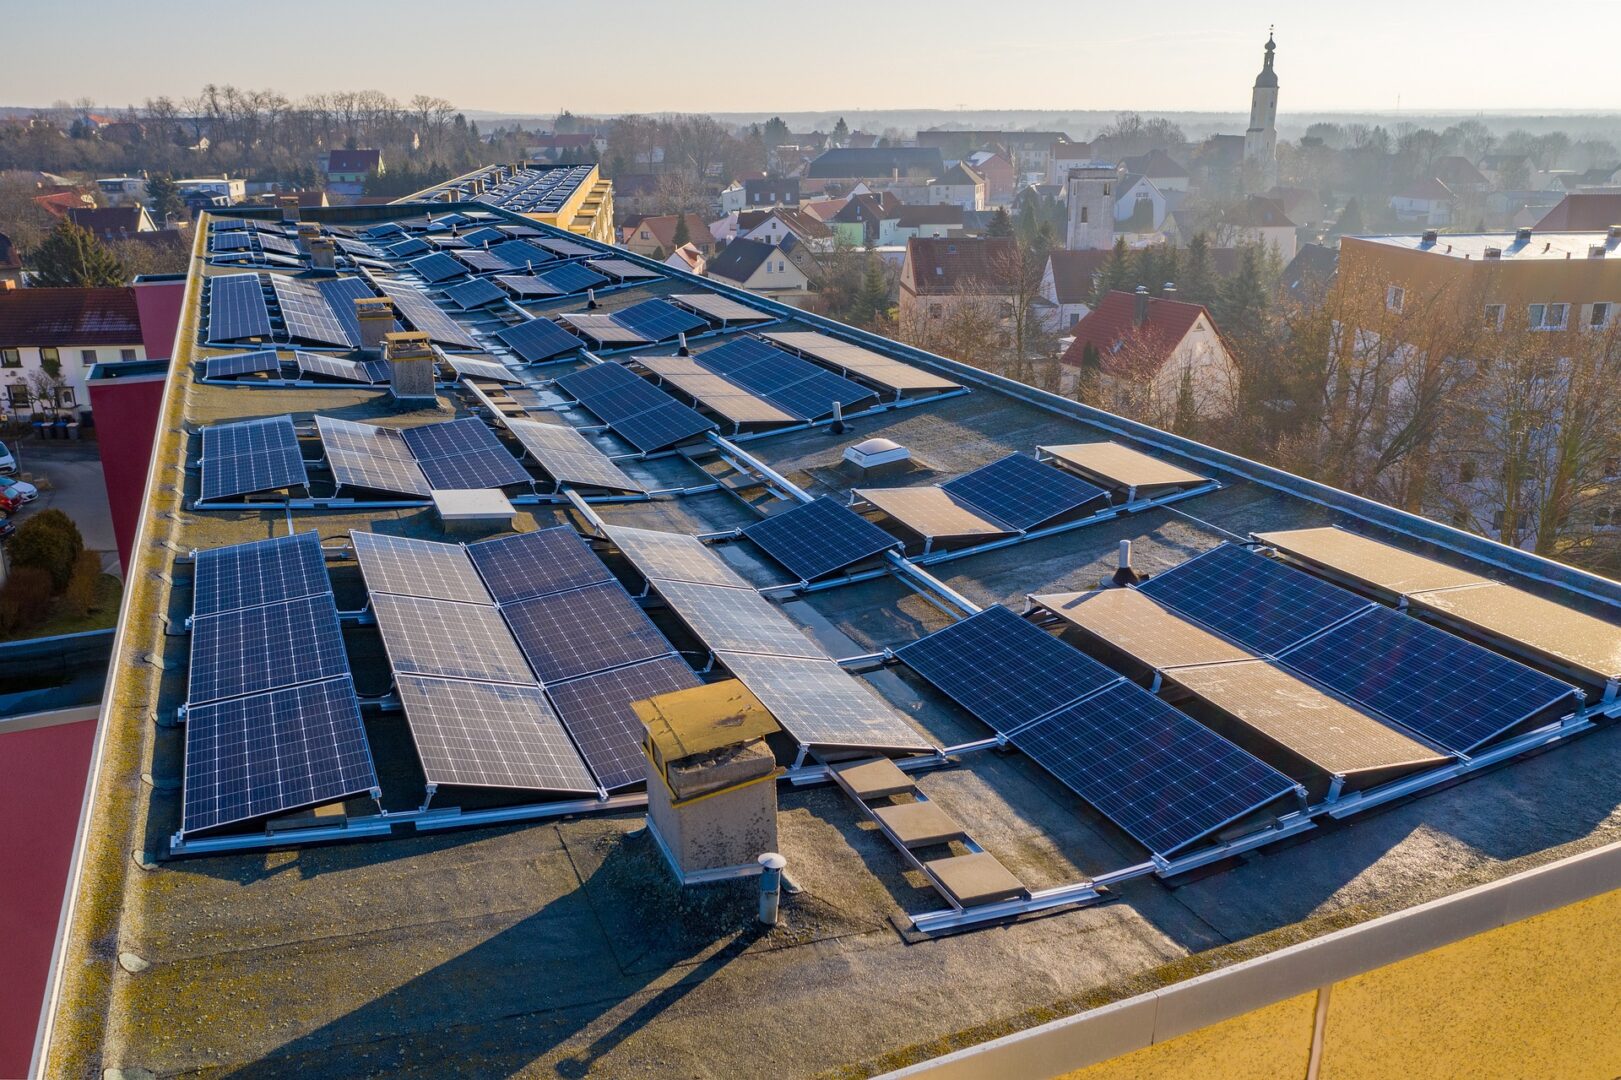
109	591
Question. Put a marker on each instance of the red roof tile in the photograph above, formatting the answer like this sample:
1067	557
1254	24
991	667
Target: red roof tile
1125	348
1583	211
1075	271
938	266
54	318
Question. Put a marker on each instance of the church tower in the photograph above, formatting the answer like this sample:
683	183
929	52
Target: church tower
1261	140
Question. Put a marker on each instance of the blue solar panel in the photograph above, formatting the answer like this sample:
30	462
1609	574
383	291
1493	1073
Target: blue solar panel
520	255
341	294
406	249
796	386
658	320
1022	491
251	650
1451	691
237	308
250	456
538	340
274	752
818	538
639	412
226	367
1004	670
483	235
1162	777
580	631
597	711
438	267
480	260
572	278
384	231
459	454
475	294
1256	601
429	318
666	426
536	563
260	572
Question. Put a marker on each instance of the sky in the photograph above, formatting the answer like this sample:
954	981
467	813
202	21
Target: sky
612	56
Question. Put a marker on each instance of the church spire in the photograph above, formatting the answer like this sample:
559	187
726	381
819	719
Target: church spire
1267	77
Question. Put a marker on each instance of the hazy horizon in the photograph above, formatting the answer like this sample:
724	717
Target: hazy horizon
1379	56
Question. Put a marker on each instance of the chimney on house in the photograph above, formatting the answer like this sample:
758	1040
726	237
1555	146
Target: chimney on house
289	207
321	252
1522	236
375	315
1140	314
410	365
1168	290
1429	237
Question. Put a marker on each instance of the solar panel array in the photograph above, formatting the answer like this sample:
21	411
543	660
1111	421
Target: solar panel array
272	722
536	563
797	387
409	567
369	456
536	191
370	372
251	456
236	308
248	363
408	248
308	316
569	457
340	294
658	320
623	269
483	235
721	309
538	340
1022	491
493	370
580	631
481	261
476	293
818	538
727	400
464	453
437	267
426	317
571	279
597	710
521	255
853	359
636	410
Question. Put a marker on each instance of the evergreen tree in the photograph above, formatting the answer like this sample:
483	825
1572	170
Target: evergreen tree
1117	273
1028	222
1001	223
1187	411
72	257
164	195
1241	303
1198	282
872	302
841	132
1350	220
682	233
775	132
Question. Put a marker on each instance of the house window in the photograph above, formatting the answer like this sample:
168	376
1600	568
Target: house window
126	354
1549	316
17	395
1074	318
936	310
1599	317
50	356
646	235
1494	316
64	397
11	358
87	356
1395	298
1083	215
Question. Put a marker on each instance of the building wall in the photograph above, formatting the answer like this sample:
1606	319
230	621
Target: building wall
126	411
75	369
1091	196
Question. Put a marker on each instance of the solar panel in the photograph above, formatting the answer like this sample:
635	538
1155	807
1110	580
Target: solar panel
369	456
1451	691
536	564
248	363
569	457
409	567
306	314
720	308
538	340
271	753
463	453
437	267
820	705
932	513
578	631
818	538
358	248
1252	599
1142	629
1122	468
605	330
1022	491
639	412
384	231
237	308
731	402
251	650
283	245
1004	670
447	221
340	294
870	365
800	388
476	293
426	317
451	640
484	369
370	372
667	556
1158	774
259	572
495	735
484	235
230	241
623	269
596	709
1376	565
519	254
736	620
657	320
566	249
571	278
523	286
251	456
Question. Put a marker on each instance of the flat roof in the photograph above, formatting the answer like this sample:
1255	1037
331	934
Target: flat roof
1540	246
564	943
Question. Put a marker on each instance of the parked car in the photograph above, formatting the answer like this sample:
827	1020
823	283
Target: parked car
8	462
7	527
9	505
20	490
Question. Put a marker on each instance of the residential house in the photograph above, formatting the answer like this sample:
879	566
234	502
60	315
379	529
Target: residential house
1159	167
780	222
1259	219
942	276
655	236
57	204
1428	202
959	186
635	194
1310	274
1583	211
868	220
348	170
1030	151
1460	176
687	257
940	220
1001	178
69	331
780	268
121	190
113	222
1153	346
878	163
1506	170
823	210
767	191
1069	283
1139	205
1062	157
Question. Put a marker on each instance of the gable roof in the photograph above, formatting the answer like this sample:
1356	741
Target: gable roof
1258	212
1431	190
58	203
876	162
1453	170
937	266
344	161
824	209
1125	348
1582	211
959	175
740	260
1155	163
662	226
806	226
874	206
111	220
1075	273
56	318
913	217
635	184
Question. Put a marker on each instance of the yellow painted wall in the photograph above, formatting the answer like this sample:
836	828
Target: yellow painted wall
1265	1044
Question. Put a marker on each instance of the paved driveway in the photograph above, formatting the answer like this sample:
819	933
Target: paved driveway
76	488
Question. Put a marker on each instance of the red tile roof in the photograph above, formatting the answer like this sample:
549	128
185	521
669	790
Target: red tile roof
57	204
55	318
939	266
348	161
662	226
1075	271
1583	211
1125	348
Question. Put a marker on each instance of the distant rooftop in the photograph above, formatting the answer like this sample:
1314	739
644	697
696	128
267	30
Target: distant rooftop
1523	246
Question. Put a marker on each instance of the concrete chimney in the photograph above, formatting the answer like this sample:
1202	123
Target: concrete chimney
410	365
322	251
1140	314
375	315
1168	290
289	207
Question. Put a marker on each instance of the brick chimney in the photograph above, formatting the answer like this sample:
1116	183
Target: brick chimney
410	365
1140	314
376	315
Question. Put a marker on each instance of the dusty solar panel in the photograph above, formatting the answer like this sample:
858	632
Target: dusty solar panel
673	556
1369	562
720	308
737	620
931	512
870	365
1587	644
497	735
1141	628
1121	467
569	457
411	567
451	640
819	704
735	404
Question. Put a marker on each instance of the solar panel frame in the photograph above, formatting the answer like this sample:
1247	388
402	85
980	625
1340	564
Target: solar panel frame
569	457
596	709
370	456
817	538
445	639
538	340
253	650
337	367
306	315
250	456
1004	670
579	631
272	753
536	563
1122	745
1255	601
668	556
437	267
820	705
474	294
1023	492
406	566
490	735
236	308
259	572
247	363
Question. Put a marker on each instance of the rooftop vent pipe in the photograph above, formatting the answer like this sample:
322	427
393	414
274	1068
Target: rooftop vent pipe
1429	236
1124	574
590	298
1522	236
1140	315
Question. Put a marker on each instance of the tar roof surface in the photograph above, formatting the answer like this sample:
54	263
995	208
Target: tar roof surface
565	947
